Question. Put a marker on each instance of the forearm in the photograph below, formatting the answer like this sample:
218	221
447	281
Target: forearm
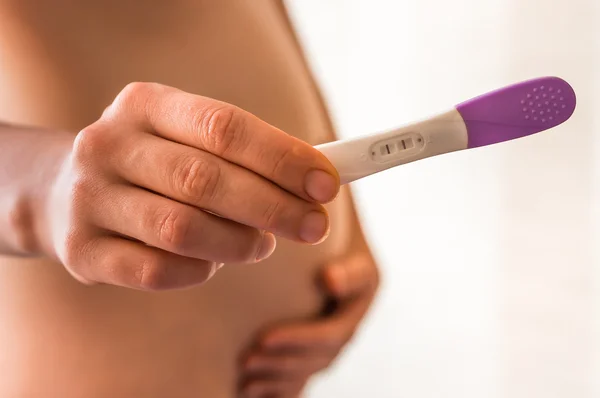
29	161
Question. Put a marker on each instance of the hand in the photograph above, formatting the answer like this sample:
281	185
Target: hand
166	185
287	356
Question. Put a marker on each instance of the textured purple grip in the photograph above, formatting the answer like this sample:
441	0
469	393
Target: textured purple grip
516	111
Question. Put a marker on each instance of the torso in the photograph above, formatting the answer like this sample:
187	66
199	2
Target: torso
61	63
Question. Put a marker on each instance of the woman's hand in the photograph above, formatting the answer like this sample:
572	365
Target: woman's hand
285	357
167	185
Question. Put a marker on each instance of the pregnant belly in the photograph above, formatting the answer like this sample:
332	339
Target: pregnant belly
62	339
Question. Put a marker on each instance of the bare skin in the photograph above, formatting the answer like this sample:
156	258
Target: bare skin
111	192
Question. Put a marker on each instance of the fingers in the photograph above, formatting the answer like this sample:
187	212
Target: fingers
206	181
329	334
234	135
299	364
298	350
126	263
352	276
280	388
281	374
178	228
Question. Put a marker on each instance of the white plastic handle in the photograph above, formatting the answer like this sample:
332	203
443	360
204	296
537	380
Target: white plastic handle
363	156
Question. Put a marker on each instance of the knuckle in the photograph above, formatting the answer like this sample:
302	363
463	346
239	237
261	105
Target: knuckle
89	142
272	214
135	91
218	128
198	180
172	228
280	160
85	192
151	274
135	97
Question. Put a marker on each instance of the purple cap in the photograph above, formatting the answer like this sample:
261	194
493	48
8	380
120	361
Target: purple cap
516	111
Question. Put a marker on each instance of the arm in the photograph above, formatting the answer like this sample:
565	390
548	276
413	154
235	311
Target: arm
29	161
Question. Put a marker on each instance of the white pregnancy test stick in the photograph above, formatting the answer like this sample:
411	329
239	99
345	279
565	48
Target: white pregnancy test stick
512	112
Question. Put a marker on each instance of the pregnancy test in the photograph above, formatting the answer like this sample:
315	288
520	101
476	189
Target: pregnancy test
509	113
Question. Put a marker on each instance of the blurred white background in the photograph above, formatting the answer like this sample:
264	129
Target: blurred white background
491	257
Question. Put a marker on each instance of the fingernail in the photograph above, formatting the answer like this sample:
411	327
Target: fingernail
213	270
267	247
219	266
321	186
314	227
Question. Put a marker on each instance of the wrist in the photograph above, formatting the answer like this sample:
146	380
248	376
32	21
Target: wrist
43	198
